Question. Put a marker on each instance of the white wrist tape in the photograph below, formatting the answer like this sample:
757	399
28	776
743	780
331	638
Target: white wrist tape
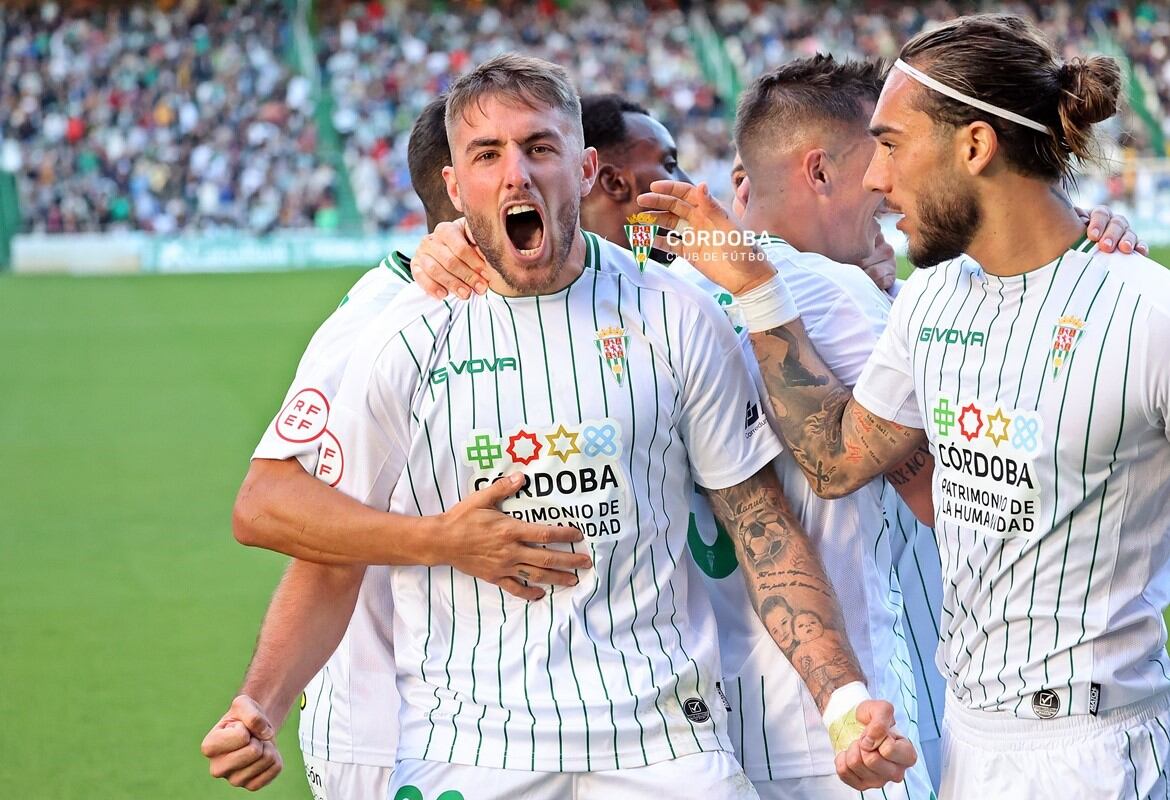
768	306
840	715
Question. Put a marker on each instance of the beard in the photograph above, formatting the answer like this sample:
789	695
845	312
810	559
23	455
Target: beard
528	280
948	218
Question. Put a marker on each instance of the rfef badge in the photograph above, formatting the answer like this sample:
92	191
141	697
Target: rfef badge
640	231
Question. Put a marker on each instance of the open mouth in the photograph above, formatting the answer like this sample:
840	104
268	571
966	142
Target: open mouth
525	229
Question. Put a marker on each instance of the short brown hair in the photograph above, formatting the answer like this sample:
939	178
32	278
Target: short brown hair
1004	60
426	155
813	90
528	81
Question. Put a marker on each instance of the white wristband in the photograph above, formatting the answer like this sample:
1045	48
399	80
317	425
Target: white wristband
844	699
840	715
767	306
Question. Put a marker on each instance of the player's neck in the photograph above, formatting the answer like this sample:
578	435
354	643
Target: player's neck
784	214
1025	226
574	266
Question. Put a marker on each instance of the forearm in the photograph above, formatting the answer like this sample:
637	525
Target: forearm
779	562
281	507
305	622
837	444
913	480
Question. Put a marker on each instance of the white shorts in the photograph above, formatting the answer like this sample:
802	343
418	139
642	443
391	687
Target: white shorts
334	780
701	776
1123	753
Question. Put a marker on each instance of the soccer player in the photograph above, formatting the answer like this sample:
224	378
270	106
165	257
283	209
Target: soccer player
634	150
782	747
607	393
1035	375
348	728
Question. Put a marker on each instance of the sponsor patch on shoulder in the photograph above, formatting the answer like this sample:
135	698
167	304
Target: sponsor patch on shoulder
304	417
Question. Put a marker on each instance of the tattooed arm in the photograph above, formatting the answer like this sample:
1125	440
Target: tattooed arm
786	580
793	596
838	444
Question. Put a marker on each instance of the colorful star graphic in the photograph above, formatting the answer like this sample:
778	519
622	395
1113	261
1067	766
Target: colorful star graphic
968	434
533	451
1003	422
556	444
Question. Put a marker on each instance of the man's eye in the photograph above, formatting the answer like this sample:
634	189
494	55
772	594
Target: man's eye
485	156
737	179
540	149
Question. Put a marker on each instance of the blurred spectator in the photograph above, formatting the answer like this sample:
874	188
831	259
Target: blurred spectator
140	118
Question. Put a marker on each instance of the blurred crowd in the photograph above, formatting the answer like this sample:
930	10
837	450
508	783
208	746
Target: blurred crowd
157	118
189	115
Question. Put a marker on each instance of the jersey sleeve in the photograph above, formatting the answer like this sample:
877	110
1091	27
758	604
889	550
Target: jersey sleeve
844	338
722	421
369	426
886	384
299	429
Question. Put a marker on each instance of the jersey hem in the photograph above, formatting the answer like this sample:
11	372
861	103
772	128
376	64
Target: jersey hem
597	761
360	756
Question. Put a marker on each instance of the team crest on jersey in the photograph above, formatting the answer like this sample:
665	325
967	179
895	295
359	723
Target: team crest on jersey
611	345
640	231
573	473
1065	336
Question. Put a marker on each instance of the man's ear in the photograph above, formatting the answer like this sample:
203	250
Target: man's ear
452	188
977	144
818	170
588	170
612	180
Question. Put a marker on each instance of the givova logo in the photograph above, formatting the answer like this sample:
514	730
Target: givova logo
472	366
952	336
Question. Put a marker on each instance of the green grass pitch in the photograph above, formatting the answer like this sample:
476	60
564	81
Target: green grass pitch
128	409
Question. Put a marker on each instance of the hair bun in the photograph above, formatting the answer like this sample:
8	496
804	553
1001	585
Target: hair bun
1090	89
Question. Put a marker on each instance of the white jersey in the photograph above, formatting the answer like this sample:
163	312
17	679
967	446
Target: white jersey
612	397
1045	399
774	722
349	709
916	563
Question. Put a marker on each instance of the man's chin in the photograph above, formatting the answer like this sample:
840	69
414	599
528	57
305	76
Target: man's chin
529	279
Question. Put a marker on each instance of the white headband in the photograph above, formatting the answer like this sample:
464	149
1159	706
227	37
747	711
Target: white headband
955	94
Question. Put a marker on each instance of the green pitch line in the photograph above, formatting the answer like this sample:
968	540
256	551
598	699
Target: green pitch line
128	410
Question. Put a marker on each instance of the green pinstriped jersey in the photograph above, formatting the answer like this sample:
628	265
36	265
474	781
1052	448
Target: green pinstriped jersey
1045	399
611	396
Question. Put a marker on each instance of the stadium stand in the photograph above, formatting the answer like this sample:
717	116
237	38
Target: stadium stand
194	115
